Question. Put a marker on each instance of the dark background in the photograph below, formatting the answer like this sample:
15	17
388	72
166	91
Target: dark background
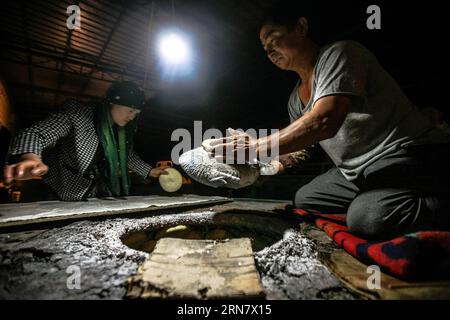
234	84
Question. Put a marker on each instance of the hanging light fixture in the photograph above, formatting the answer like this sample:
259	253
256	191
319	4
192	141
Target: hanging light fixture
174	50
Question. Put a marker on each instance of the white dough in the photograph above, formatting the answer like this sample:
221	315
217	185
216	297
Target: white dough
171	182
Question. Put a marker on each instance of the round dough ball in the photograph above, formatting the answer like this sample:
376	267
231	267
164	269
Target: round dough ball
180	231
171	182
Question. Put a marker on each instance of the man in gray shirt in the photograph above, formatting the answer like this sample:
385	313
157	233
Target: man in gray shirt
389	157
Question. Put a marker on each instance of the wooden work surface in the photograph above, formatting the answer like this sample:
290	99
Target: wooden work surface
16	214
198	269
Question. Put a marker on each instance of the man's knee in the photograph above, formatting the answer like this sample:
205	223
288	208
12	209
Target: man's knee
384	213
304	198
365	217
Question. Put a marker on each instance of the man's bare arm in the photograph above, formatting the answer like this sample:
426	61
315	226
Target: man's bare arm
322	123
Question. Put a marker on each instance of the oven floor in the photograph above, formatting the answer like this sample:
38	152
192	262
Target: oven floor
41	263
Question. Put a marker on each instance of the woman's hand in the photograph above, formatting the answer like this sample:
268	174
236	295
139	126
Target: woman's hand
30	166
156	172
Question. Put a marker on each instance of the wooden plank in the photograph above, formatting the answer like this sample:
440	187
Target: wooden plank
198	269
17	214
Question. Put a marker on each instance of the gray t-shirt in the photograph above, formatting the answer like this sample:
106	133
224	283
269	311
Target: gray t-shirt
381	120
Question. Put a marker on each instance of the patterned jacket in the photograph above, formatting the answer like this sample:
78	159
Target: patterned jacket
71	133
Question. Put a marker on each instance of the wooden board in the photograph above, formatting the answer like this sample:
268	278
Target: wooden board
198	269
14	214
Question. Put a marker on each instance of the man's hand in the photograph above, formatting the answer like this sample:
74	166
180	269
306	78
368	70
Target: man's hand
277	166
156	172
30	166
293	161
238	146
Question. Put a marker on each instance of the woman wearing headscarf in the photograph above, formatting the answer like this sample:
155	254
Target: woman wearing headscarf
83	150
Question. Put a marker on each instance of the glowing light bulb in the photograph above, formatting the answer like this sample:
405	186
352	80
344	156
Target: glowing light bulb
174	49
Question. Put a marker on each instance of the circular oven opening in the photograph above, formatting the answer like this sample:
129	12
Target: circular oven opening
261	229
